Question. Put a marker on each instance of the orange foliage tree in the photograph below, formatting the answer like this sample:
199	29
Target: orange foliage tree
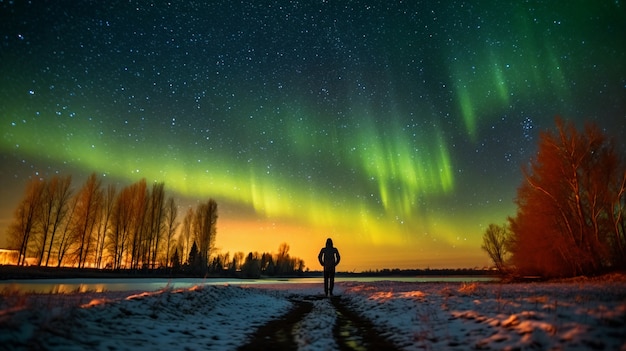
570	217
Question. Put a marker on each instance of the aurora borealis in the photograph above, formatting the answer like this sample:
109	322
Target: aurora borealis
397	128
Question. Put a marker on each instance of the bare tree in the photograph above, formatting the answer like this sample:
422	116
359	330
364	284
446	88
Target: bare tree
299	265
186	231
53	205
139	201
156	217
125	222
237	262
106	212
43	219
24	219
89	202
224	260
120	227
205	222
65	241
617	206
496	243
283	261
171	212
62	193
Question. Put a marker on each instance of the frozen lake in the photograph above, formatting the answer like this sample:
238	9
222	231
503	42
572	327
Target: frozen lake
152	284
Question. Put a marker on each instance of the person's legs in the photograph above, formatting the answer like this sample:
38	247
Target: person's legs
331	278
326	279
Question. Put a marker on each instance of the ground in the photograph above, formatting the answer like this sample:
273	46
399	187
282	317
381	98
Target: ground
578	314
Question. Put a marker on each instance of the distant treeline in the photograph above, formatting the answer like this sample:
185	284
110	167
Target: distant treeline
240	265
424	272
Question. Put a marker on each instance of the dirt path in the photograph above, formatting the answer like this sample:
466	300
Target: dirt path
351	332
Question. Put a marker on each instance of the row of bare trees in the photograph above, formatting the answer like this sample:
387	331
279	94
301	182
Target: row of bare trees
571	208
98	226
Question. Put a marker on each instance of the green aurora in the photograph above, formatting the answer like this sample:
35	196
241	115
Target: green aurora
398	129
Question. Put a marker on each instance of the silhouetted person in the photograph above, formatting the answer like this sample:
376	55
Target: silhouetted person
329	258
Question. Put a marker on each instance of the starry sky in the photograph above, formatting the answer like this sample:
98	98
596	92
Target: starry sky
397	128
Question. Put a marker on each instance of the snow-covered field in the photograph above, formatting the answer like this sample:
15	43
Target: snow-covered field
542	316
576	314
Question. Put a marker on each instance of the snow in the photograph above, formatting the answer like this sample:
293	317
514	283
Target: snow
577	314
218	316
496	316
315	332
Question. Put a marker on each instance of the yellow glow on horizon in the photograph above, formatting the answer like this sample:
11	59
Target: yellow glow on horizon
441	249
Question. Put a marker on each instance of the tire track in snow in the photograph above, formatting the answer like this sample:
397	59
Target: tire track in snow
356	333
278	334
318	323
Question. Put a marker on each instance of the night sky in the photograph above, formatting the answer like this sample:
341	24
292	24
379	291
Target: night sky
398	128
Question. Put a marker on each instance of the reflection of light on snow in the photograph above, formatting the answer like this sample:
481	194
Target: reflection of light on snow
141	295
95	302
362	288
382	296
195	288
412	294
166	289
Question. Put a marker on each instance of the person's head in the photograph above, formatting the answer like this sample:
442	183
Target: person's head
329	242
